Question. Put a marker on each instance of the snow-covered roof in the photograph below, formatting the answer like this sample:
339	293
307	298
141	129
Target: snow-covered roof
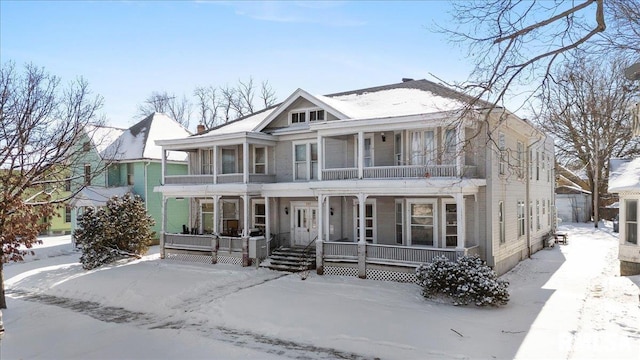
97	196
102	136
138	142
245	124
624	175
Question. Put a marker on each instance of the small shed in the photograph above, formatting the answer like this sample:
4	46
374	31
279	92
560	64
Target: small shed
573	204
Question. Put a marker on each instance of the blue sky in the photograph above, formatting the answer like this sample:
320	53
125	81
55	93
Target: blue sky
126	50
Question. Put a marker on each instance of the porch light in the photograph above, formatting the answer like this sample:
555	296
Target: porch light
331	211
384	138
286	210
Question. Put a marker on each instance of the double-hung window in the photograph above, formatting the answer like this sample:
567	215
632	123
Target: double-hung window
206	156
259	160
298	117
537	214
631	221
305	166
399	222
449	156
398	156
521	217
368	151
503	154
316	115
520	159
501	222
422	222
259	215
422	147
229	163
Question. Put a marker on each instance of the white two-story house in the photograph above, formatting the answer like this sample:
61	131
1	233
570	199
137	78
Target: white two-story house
375	180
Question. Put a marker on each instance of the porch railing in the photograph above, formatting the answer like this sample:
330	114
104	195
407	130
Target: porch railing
188	242
222	179
188	179
395	254
405	171
230	244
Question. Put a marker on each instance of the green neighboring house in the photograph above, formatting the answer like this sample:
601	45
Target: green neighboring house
118	161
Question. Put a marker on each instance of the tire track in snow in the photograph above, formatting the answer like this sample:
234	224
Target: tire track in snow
240	338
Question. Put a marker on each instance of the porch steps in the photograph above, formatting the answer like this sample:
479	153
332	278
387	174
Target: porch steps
291	259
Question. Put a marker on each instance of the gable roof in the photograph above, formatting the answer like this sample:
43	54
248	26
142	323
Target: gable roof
102	136
624	175
138	141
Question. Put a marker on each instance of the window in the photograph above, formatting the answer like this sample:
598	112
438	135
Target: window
259	215
368	151
67	213
259	160
399	222
298	117
87	174
398	158
520	160
130	175
503	154
631	221
422	227
530	164
206	217
537	165
544	209
501	221
369	221
229	157
230	217
316	115
521	225
423	148
67	185
449	147
206	157
537	214
531	215
86	146
305	161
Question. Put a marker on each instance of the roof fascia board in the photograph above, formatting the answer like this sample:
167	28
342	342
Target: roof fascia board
224	139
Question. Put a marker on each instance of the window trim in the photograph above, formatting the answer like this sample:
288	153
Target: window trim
501	224
309	161
254	225
502	149
400	203
434	204
235	160
628	222
521	217
307	115
255	162
370	137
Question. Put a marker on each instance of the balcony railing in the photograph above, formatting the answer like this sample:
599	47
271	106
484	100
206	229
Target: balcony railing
188	242
405	171
222	179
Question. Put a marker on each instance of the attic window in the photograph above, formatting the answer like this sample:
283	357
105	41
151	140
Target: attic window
316	115
86	146
298	117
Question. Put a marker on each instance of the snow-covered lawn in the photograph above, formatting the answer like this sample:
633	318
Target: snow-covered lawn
566	302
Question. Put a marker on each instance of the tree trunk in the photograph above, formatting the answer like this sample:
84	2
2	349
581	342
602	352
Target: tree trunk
3	301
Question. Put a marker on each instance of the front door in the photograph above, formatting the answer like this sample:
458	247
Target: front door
305	225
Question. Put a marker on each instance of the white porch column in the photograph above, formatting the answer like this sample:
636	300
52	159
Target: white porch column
360	155
362	243
245	162
320	156
327	215
267	222
319	240
216	214
245	199
216	161
163	166
460	218
460	140
163	226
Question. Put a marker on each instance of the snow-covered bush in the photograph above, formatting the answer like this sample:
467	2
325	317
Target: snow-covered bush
468	280
119	230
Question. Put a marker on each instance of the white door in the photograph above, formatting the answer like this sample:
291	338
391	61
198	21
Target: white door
305	225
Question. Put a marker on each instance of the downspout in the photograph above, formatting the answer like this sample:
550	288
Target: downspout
527	206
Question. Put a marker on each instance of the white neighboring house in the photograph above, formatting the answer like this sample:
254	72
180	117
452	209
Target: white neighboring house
624	180
376	180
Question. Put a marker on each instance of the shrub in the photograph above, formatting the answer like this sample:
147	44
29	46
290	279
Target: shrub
121	229
468	280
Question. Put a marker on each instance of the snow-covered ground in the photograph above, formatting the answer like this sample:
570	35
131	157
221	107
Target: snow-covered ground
566	302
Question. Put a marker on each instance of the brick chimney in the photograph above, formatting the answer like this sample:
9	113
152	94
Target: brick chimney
200	129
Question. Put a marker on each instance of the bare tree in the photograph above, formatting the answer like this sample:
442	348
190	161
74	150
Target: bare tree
178	109
218	106
516	43
587	109
41	124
